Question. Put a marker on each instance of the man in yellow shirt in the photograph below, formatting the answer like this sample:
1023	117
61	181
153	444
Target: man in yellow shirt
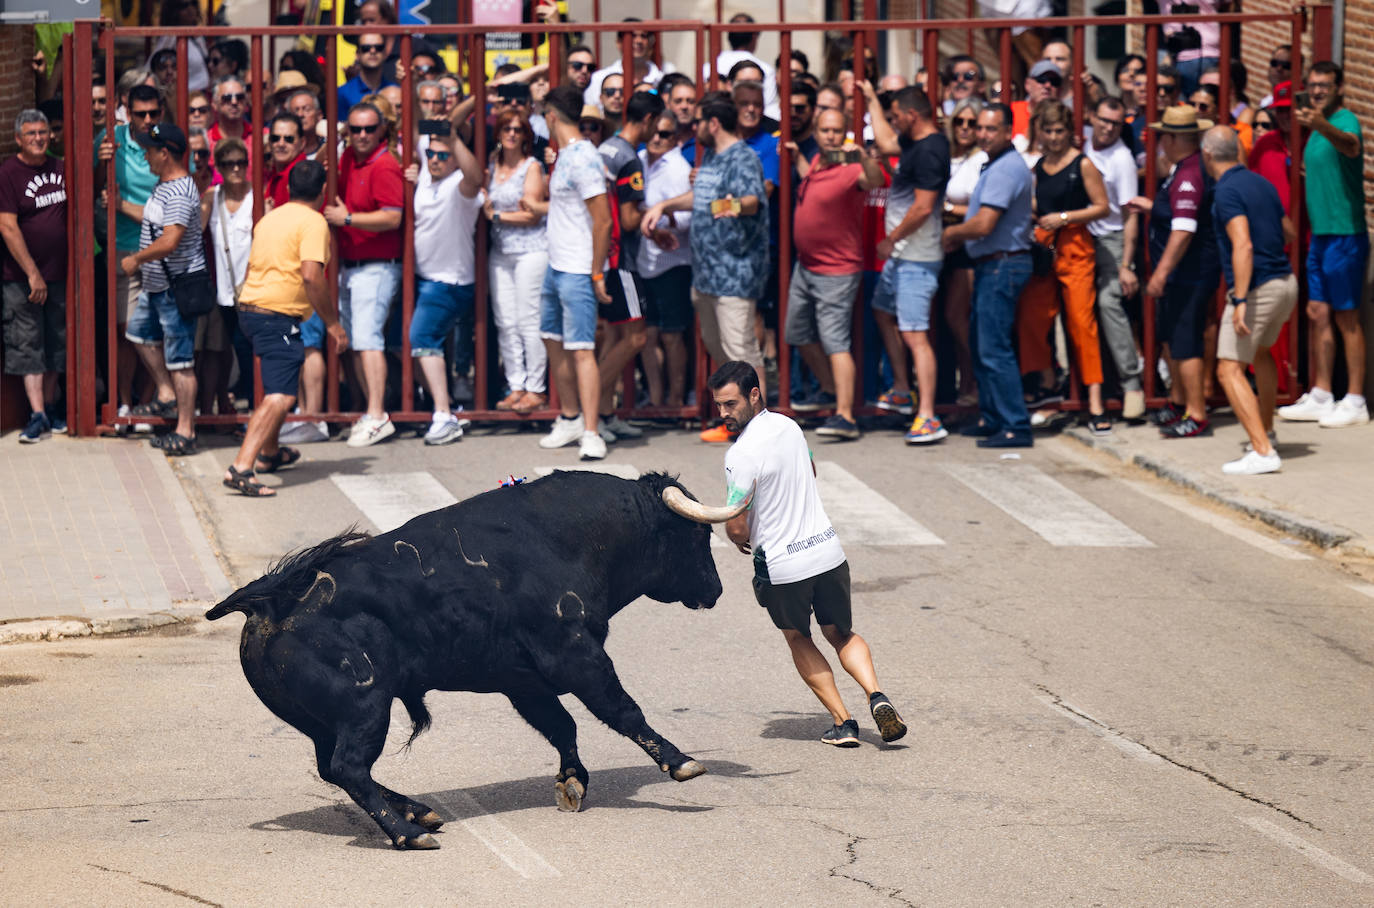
286	281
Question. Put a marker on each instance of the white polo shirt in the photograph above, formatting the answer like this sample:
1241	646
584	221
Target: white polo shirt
786	518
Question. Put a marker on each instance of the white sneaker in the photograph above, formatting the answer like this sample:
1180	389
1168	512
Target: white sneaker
592	448
443	429
564	432
1305	409
1133	405
369	430
1252	464
1343	414
1273	442
619	427
303	433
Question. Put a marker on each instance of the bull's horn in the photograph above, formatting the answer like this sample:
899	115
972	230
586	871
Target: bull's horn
678	502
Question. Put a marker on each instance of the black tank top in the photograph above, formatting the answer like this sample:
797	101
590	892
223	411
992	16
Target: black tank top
1061	191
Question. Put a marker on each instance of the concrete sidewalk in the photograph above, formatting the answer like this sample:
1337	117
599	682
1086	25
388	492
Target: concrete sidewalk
1324	493
98	538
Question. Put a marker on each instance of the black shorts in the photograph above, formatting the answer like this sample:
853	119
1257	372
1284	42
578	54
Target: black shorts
1182	317
627	297
670	300
277	343
790	605
35	336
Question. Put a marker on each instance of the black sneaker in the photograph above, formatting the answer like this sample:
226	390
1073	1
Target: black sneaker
1167	415
890	725
846	735
839	427
821	401
1187	427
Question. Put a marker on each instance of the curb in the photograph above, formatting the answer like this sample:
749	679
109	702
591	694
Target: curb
1320	533
33	630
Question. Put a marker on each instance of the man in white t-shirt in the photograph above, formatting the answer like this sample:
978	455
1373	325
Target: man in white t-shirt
447	205
579	229
744	45
641	50
799	566
1114	238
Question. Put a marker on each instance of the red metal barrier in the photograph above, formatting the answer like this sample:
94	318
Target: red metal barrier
85	413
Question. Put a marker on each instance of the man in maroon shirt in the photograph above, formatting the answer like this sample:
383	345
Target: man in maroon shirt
284	142
33	221
368	221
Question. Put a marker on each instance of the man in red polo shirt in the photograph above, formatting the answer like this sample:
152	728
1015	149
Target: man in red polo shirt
284	142
368	221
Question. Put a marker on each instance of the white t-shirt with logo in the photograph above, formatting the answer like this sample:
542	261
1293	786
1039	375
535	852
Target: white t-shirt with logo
786	518
445	230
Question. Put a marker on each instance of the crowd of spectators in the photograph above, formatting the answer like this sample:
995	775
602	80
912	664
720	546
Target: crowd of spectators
616	209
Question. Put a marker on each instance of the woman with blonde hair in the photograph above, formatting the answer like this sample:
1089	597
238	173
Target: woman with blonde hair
966	162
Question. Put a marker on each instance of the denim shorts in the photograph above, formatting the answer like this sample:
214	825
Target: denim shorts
437	308
1335	270
278	346
157	320
366	293
567	310
906	289
312	331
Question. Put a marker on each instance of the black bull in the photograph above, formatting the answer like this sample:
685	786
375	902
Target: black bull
509	592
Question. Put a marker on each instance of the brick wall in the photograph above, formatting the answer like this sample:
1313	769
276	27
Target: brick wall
16	50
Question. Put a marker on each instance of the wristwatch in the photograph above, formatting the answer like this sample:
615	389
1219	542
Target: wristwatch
496	218
1063	217
949	207
1237	300
348	219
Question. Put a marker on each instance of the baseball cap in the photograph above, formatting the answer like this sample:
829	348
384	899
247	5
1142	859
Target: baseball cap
164	135
1045	68
1283	95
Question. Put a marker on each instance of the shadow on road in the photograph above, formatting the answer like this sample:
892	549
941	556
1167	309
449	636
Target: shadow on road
808	727
607	789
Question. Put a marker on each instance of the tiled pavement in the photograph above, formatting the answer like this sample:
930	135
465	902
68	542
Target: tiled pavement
98	529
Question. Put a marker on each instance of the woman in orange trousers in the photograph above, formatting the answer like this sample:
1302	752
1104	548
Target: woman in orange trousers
1069	194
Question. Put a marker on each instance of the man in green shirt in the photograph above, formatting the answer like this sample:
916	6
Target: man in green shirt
1333	165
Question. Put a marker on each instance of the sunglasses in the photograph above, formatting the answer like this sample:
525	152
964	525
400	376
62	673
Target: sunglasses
1050	79
201	154
232	163
235	97
1280	64
433	155
1110	124
1165	89
964	121
283	139
667	135
577	66
145	114
513	129
801	108
354	130
371	48
1264	124
613	92
966	76
199	110
589	128
422	68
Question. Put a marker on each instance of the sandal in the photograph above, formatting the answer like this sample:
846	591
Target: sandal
164	409
1100	424
284	457
245	484
174	445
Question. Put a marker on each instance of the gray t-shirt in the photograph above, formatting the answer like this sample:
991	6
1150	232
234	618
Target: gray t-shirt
172	202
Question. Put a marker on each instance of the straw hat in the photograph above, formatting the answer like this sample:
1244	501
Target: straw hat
289	80
1181	118
592	112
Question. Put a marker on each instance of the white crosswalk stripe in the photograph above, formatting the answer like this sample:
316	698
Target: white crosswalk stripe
1056	514
390	499
864	517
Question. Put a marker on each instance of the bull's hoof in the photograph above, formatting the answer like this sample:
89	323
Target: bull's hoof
689	770
569	795
423	842
430	821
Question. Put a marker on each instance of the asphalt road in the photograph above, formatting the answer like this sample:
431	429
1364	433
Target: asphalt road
1116	696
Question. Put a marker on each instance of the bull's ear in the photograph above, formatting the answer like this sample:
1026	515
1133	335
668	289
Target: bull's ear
679	503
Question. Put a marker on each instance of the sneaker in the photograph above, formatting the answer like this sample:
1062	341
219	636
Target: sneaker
461	389
846	735
369	430
1273	442
1043	397
1187	427
303	433
620	428
1343	414
839	427
890	725
35	430
717	435
443	429
897	402
1306	409
1133	405
1253	464
1167	415
58	420
924	431
606	434
565	431
592	447
821	401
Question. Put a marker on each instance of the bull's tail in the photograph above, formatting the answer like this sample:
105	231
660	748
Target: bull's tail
294	579
419	715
